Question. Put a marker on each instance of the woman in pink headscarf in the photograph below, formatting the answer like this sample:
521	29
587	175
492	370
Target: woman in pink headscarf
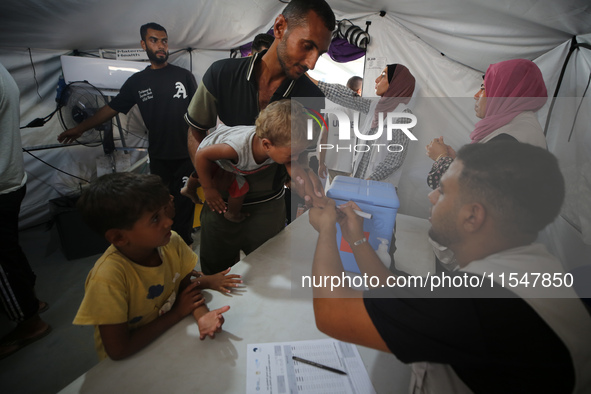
510	95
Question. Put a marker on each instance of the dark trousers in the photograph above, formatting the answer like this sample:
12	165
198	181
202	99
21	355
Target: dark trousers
172	173
17	280
222	240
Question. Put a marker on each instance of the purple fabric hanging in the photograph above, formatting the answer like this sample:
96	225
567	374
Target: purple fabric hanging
246	49
342	51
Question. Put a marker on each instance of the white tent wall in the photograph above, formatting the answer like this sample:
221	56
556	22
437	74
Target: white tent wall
569	138
446	44
478	33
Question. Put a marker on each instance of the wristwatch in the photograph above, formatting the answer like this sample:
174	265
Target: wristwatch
360	241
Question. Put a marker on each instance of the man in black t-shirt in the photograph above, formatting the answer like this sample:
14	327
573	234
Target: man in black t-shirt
480	332
162	92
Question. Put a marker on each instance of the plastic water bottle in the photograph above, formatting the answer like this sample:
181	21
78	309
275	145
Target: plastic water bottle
382	252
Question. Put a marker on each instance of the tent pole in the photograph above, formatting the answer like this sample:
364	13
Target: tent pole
574	46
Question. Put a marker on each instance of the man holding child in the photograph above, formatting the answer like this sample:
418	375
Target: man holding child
236	90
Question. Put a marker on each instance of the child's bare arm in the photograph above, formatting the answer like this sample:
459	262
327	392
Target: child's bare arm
221	281
120	342
208	322
205	165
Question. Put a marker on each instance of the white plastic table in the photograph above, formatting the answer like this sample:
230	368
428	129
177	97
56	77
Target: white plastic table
266	310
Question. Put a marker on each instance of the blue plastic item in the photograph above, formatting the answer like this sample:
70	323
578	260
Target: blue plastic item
376	198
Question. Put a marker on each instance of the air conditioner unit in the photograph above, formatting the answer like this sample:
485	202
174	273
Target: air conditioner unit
106	74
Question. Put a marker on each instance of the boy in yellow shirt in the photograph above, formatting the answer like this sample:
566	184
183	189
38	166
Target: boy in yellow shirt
141	286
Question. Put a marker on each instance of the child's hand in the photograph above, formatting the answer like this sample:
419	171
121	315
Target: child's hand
214	200
188	300
221	281
211	322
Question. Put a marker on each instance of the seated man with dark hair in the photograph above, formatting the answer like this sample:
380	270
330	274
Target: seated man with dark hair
261	42
503	337
355	83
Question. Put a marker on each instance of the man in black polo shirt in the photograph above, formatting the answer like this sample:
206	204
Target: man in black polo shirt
235	90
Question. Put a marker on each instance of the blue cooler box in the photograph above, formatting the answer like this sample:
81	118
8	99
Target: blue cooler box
377	198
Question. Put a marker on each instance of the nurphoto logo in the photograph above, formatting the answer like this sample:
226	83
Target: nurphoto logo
393	121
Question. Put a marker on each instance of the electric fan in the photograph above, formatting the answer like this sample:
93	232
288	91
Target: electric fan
79	101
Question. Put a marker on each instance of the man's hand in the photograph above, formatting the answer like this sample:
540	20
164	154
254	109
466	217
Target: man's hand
236	218
70	135
211	323
104	114
351	223
307	185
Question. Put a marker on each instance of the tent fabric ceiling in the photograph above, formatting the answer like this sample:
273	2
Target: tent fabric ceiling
501	28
